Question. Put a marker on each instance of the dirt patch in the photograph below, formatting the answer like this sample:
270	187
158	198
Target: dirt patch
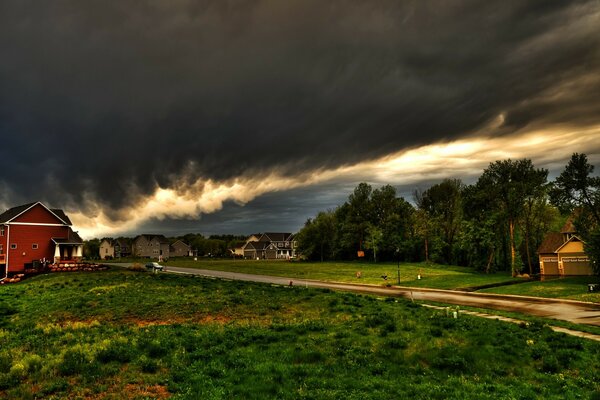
132	391
201	320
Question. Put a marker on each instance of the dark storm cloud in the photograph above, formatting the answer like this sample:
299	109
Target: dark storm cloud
106	100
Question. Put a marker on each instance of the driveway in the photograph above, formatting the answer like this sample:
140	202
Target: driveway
566	310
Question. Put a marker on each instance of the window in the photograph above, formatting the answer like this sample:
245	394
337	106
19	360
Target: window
34	246
13	246
1	249
2	230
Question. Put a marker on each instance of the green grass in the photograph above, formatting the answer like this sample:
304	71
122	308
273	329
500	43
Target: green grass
573	288
138	335
433	276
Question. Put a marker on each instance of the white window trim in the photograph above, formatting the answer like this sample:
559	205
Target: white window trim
13	246
34	246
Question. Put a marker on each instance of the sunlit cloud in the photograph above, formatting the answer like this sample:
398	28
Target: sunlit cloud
462	158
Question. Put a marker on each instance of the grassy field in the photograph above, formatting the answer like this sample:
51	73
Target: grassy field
432	275
122	334
573	288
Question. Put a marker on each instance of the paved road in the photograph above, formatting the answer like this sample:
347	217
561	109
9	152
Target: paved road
566	310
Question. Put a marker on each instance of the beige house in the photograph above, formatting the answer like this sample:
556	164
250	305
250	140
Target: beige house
180	249
561	253
152	246
107	249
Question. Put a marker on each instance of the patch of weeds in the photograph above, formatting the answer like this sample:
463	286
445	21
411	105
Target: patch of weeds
396	343
115	350
74	361
147	364
304	356
58	385
5	362
375	320
550	364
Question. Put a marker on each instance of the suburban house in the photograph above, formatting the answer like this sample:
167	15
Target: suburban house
32	235
561	253
238	250
270	246
152	246
180	249
110	248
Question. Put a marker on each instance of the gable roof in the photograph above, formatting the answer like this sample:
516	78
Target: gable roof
276	236
180	241
551	243
161	238
571	239
14	212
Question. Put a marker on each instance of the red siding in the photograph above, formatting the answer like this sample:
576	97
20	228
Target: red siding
24	236
38	214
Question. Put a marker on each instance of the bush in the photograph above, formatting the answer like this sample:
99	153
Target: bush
5	362
74	361
148	365
137	267
119	351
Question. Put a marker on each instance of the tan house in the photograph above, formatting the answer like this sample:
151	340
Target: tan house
110	248
152	246
107	249
180	249
561	253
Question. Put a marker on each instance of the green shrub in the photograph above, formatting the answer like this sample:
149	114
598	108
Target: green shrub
148	364
119	351
74	361
5	362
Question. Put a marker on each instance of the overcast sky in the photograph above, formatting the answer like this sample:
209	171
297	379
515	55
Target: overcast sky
245	116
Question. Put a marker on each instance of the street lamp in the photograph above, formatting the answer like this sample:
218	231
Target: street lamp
398	255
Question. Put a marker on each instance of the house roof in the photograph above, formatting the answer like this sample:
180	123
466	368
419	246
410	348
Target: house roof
181	242
551	243
14	212
571	239
149	237
276	236
72	238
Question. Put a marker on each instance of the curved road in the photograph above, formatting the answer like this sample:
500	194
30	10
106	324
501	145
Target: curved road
566	310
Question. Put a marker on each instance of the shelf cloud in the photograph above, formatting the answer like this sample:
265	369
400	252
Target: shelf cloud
116	111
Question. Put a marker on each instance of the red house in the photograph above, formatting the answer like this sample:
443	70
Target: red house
32	234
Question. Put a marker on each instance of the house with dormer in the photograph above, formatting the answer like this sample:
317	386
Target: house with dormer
562	253
270	246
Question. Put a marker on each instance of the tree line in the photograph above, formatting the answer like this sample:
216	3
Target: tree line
497	223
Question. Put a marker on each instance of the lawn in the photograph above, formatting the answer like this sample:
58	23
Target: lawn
432	275
124	334
573	288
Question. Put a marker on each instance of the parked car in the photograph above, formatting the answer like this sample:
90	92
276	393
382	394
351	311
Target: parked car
154	266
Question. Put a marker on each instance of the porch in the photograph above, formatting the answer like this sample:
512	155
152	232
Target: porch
66	251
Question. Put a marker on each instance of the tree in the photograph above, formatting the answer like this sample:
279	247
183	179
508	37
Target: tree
374	239
577	190
317	238
509	184
443	204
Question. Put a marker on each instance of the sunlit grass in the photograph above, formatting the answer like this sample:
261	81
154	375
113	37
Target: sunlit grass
432	275
573	288
120	334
